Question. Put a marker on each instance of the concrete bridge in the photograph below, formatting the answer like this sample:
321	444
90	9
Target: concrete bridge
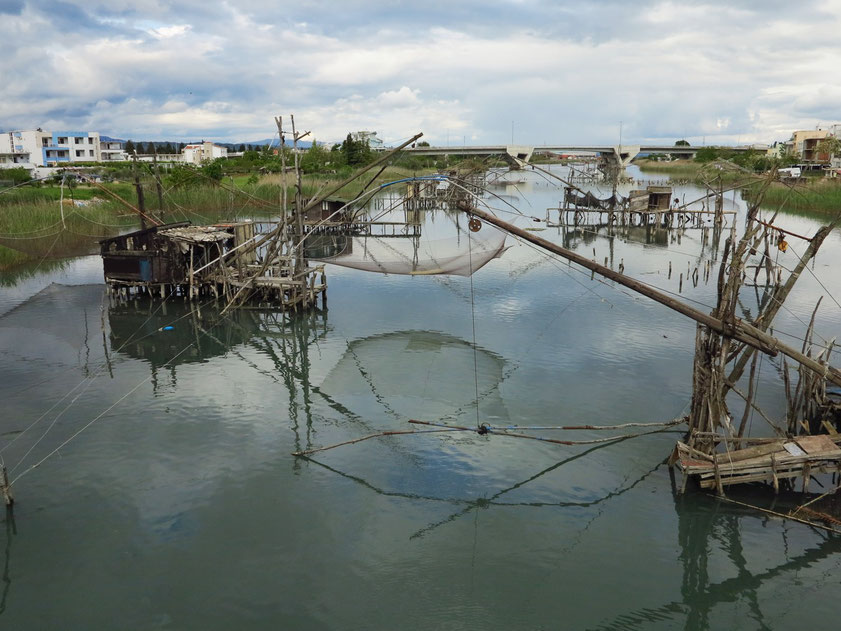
517	155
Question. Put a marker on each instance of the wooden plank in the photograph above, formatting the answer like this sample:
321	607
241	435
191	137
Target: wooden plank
737	455
820	444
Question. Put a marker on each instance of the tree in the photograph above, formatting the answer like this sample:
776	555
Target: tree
241	149
140	149
130	149
830	146
213	170
17	175
315	159
181	175
681	143
356	152
707	154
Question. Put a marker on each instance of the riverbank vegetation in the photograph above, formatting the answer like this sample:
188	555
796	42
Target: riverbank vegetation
64	216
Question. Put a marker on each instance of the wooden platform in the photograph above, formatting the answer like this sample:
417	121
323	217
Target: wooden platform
769	461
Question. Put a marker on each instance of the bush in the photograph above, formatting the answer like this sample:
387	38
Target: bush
18	175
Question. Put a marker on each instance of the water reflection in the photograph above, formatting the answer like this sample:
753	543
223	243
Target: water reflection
711	543
11	531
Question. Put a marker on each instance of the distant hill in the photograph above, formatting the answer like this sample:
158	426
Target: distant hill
231	146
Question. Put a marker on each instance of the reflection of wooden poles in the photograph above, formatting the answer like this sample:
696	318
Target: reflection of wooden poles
738	329
5	487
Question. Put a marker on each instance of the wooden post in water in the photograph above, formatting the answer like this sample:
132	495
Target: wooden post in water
5	487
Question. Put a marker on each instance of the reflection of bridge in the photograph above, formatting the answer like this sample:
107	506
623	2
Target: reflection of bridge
518	154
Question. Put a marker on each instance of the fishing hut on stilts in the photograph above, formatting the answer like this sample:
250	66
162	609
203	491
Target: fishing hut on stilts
262	263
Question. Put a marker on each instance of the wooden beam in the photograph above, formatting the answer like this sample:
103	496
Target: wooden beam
738	329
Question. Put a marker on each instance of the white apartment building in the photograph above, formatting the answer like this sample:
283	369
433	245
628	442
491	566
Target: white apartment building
31	148
201	152
111	149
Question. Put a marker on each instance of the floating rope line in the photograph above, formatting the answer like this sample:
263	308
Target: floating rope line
485	429
307	452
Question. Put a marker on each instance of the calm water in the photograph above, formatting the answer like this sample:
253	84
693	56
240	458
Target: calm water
179	506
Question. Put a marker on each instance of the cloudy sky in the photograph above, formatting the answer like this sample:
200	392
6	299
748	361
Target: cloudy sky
460	71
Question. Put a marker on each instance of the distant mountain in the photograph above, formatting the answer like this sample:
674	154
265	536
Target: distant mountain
273	141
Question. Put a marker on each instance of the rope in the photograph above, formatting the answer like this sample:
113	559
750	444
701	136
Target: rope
473	323
307	452
487	429
97	417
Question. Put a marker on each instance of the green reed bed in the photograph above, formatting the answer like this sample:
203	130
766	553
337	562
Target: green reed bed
821	196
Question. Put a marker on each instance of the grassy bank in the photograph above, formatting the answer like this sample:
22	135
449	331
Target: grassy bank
32	227
691	171
685	169
819	196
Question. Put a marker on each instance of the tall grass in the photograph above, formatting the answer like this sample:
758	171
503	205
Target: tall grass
32	228
820	197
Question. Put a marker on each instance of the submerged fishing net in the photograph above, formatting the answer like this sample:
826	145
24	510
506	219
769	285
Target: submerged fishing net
460	255
417	374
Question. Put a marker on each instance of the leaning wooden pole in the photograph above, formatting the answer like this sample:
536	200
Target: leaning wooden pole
738	329
316	200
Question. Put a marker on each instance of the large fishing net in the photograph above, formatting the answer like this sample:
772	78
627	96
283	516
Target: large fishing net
460	255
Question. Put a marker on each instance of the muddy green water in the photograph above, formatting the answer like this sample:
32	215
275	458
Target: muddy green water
166	496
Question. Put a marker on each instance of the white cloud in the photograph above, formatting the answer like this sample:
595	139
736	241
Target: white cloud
165	32
747	71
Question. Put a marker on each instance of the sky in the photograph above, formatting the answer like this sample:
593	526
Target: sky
461	71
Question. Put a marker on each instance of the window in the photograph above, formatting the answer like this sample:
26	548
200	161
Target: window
90	140
45	142
79	140
62	140
80	153
90	153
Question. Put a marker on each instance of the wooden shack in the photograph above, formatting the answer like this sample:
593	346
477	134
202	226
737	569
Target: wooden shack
650	199
328	210
193	261
162	255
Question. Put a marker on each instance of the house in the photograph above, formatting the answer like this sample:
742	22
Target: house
368	136
804	144
111	149
203	151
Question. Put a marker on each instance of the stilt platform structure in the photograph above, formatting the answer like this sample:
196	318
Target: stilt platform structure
761	460
651	206
207	261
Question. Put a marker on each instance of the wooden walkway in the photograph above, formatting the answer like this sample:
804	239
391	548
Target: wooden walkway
766	460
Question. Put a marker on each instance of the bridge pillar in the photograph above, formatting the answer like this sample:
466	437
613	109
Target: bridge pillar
623	154
517	156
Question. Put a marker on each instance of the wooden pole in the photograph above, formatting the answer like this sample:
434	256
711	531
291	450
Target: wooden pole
738	329
315	201
158	185
141	205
